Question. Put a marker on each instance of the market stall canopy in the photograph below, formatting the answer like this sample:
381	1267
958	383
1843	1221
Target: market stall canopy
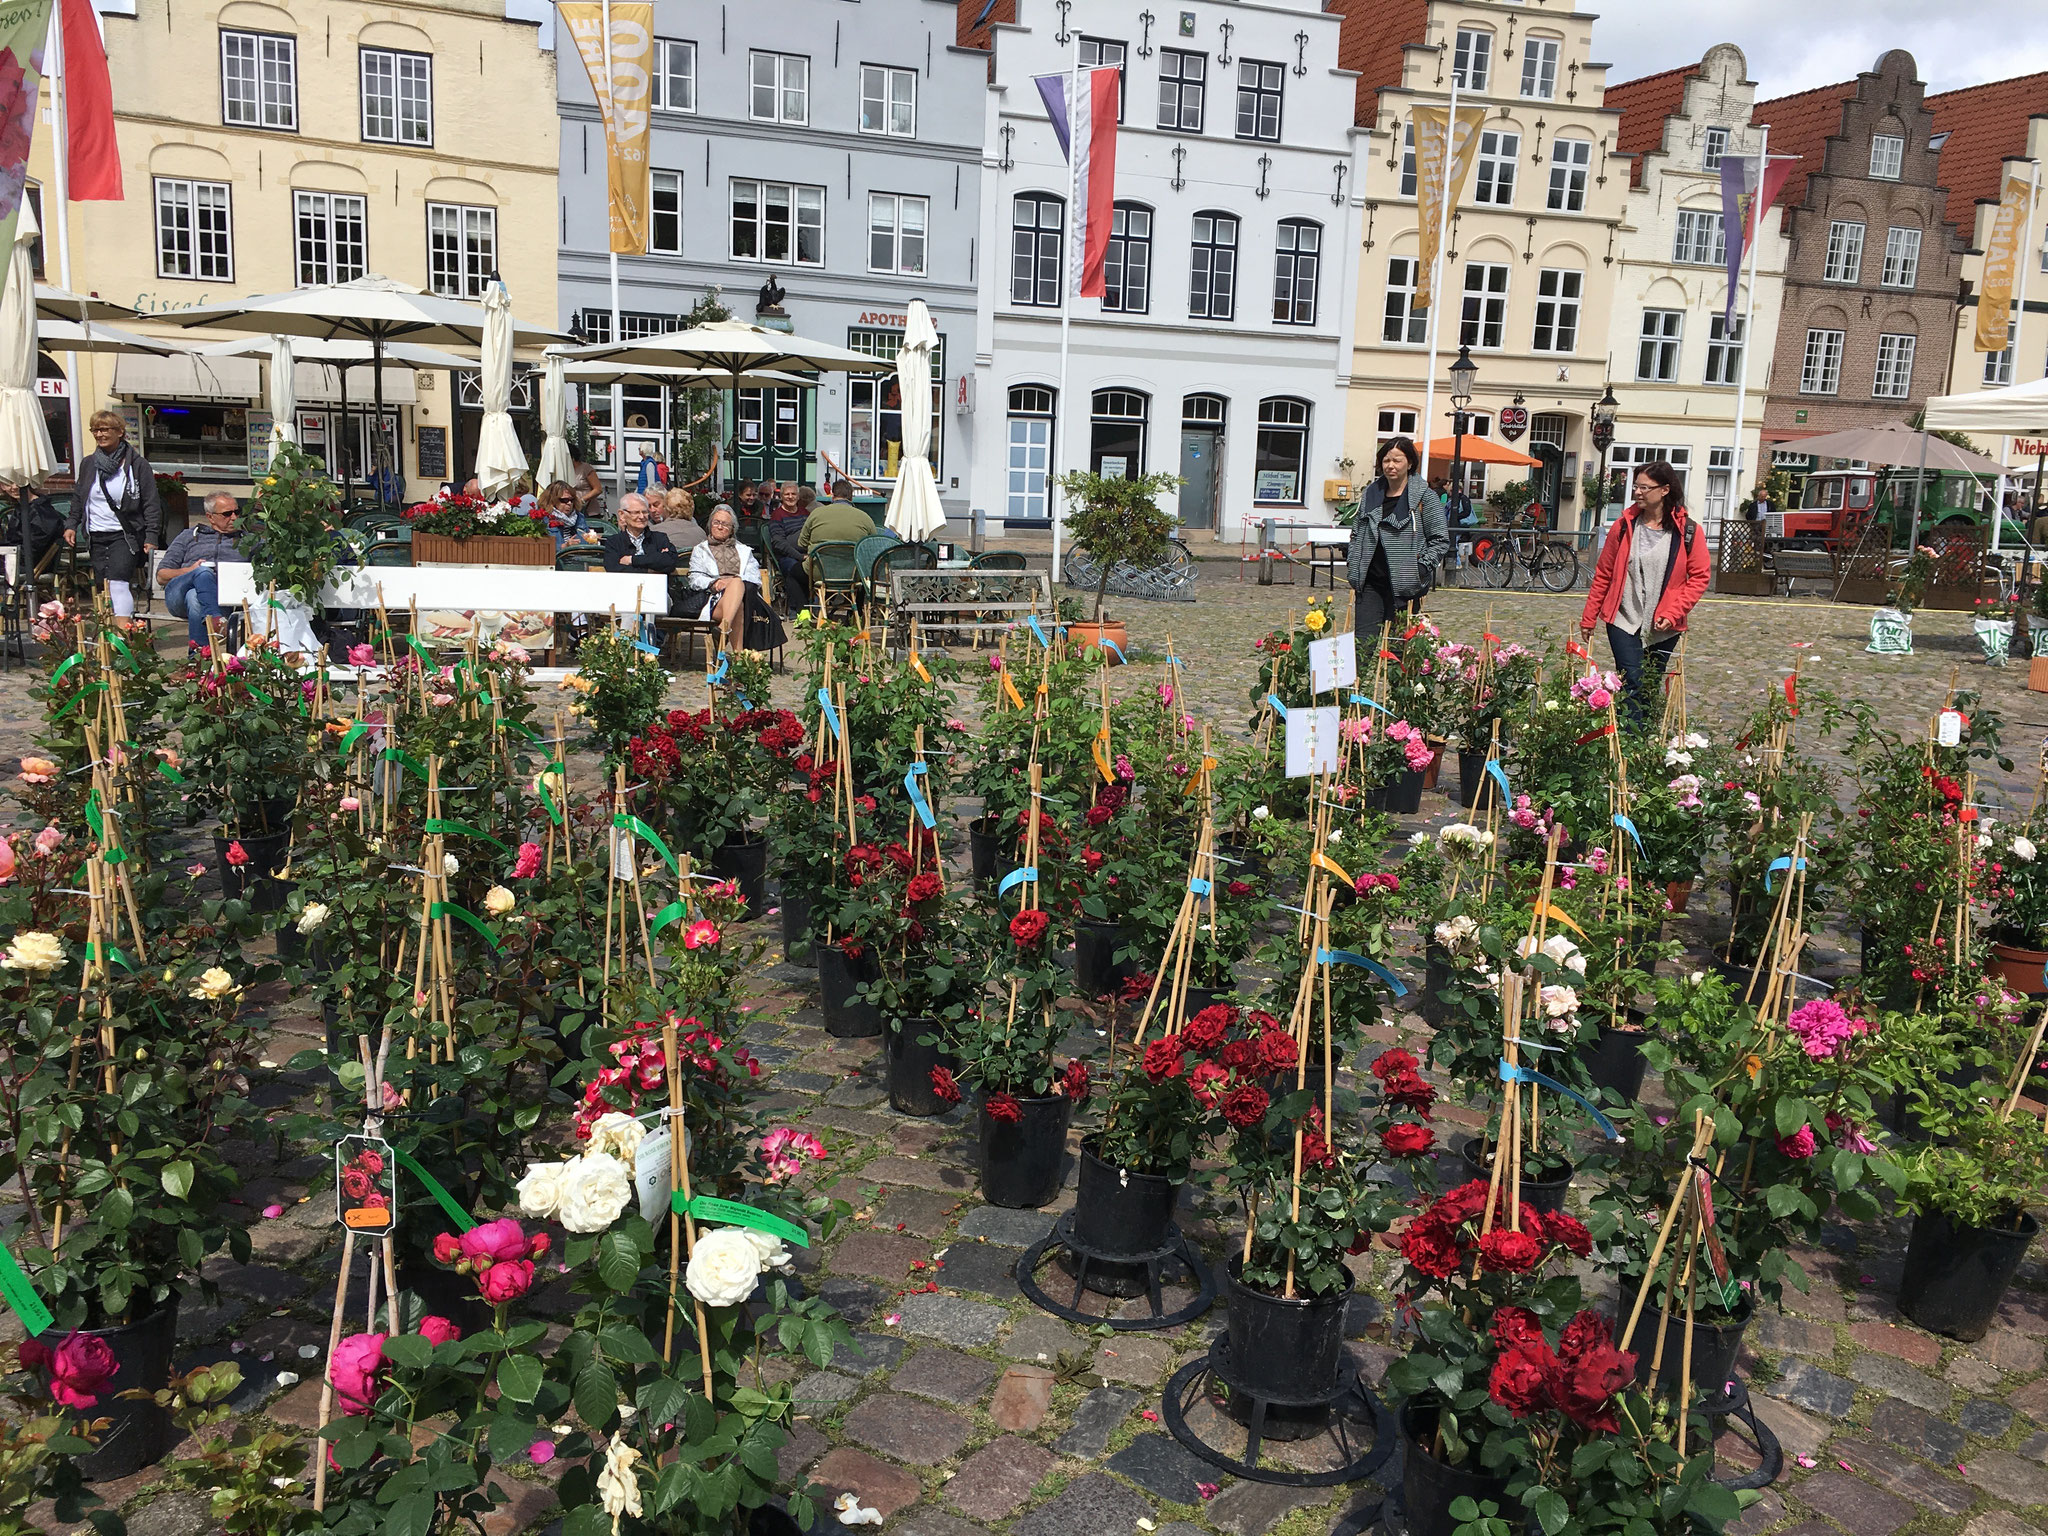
188	376
97	336
1894	443
373	308
320	368
733	347
1478	450
587	372
2022	408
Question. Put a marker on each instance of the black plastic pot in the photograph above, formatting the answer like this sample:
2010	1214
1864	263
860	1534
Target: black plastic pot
1615	1061
138	1433
1545	1193
839	979
1429	1486
910	1068
744	861
1285	1347
1402	796
256	881
1024	1162
1437	974
1471	774
1716	1345
1199	998
1095	967
1956	1276
266	817
797	947
1240	861
988	852
1118	1212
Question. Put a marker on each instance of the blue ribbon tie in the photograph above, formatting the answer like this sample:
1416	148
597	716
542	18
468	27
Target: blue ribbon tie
1110	644
1037	629
831	713
1629	827
645	649
916	793
1776	865
1359	698
718	676
1278	708
1199	887
1351	957
1017	877
1500	777
1509	1073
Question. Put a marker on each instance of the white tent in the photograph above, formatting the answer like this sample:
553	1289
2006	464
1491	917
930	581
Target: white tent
282	395
556	461
1993	412
914	510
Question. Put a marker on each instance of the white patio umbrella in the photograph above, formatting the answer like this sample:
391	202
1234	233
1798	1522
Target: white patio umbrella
914	510
98	336
26	457
500	461
54	303
282	395
556	461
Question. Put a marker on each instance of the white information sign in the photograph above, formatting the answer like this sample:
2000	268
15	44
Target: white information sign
1333	663
1312	741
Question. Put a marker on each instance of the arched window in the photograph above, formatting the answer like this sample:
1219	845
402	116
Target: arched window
1127	266
1037	222
1295	271
1116	433
1030	453
1203	410
1212	279
1280	457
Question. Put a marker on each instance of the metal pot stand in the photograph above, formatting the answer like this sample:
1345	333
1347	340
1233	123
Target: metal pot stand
1332	1414
1735	1404
1113	1273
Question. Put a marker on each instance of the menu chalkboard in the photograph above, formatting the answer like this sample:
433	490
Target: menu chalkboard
432	453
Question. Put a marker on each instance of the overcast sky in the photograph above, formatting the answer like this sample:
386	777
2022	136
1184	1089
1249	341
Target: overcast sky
1794	45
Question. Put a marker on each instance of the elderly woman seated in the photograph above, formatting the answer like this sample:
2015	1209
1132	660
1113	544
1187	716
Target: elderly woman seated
725	571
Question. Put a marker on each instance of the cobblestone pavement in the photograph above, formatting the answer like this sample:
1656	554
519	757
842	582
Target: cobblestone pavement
968	1410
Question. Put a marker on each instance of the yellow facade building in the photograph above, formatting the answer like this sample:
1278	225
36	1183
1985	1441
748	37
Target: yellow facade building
265	147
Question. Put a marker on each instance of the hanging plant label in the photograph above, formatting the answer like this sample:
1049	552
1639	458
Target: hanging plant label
365	1184
1948	729
622	854
734	1214
652	1176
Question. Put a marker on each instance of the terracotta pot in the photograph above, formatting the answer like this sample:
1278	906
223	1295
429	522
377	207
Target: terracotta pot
2020	968
1436	761
1110	630
484	549
1680	893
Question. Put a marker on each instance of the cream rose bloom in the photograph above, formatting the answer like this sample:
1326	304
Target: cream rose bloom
618	1486
498	901
540	1192
772	1251
213	985
595	1189
313	918
725	1267
2023	849
617	1135
450	865
35	952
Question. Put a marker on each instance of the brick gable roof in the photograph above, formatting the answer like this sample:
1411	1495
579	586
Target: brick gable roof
1370	41
1644	105
1801	125
976	17
1984	124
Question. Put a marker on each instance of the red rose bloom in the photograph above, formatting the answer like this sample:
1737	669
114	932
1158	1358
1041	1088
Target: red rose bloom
1074	1082
1027	928
1508	1252
1098	814
1568	1232
1136	986
1411	1091
1407	1140
1238	888
1205	1031
1278	1050
1004	1107
1207	1082
925	887
1431	1248
1587	1330
1516	1328
1091	859
1522	1379
1392	1064
944	1086
1245	1105
1239	1055
1460	1204
1165	1057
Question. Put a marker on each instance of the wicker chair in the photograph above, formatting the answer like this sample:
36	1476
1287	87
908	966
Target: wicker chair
998	560
835	576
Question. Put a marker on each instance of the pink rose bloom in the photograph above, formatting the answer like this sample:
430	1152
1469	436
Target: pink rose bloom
7	860
507	1281
699	934
528	863
443	700
351	803
438	1330
1600	698
78	1368
237	854
49	840
494	1242
1800	1145
236	664
353	1370
362	655
995	663
1355	731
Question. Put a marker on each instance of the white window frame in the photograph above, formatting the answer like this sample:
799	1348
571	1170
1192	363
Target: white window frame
1844	262
675	61
328	211
1107	53
1539	67
473	252
1297	268
1998	365
1571	167
1493	170
1124	244
1893	377
1039	435
1401	315
1820	369
1701	238
1472	59
1393	421
1660	341
1283	418
195	202
788	87
1261	84
1724	350
1179	95
405	72
1408	184
890	217
866	399
664	187
1483	309
1046	255
1901	258
1559	293
797	199
894	91
273	80
1206	258
1714	149
1887	156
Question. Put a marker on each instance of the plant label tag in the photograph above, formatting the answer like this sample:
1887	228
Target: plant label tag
1333	663
1312	741
622	854
652	1176
1948	729
365	1184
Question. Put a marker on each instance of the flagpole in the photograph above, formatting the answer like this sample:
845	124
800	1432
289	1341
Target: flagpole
60	183
1756	219
1436	280
2018	335
1062	407
608	109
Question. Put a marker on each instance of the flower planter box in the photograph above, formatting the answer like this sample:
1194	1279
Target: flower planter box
484	549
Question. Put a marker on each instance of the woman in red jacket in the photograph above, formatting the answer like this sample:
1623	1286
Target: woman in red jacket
1653	567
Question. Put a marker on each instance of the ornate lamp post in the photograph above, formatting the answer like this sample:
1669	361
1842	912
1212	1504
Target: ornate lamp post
1463	372
1605	410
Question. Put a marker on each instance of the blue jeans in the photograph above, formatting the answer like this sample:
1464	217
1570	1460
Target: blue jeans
195	598
1630	653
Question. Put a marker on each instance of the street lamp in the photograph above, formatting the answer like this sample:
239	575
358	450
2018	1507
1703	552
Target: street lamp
1463	372
1605	410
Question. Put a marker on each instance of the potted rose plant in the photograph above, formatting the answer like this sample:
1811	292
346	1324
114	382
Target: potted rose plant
1118	521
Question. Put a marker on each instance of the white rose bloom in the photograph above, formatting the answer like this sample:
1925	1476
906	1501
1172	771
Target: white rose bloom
213	985
540	1192
772	1250
34	952
725	1267
1565	953
1550	703
1983	840
450	865
2023	849
1336	838
617	1135
498	901
314	917
1559	1002
1675	759
618	1488
1417	839
851	1512
1697	978
1260	813
1695	740
1457	933
595	1189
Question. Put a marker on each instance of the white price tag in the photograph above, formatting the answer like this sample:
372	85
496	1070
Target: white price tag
1948	728
1312	741
622	854
652	1176
1333	663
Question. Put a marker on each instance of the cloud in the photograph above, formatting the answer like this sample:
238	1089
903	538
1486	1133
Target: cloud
1817	42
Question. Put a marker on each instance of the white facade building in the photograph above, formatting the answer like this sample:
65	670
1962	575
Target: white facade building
1677	382
1221	351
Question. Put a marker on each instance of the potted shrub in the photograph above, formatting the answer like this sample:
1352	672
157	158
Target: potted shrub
1470	704
618	689
1118	521
290	536
904	917
468	530
2017	879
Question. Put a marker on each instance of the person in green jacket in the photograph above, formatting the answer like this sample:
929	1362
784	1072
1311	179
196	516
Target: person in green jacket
835	522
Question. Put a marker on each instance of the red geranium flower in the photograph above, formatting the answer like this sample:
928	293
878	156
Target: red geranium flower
1004	1107
1245	1105
1407	1140
1165	1057
1506	1251
1028	927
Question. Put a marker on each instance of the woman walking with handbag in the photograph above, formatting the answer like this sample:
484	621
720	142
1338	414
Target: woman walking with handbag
1397	538
1653	568
118	507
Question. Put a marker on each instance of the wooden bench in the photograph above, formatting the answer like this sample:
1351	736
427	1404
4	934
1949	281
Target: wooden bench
968	602
1328	550
1794	565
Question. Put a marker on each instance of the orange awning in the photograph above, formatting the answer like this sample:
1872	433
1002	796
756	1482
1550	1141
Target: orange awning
1479	450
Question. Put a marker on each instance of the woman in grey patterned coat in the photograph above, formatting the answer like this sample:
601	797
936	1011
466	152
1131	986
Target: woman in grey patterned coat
1397	538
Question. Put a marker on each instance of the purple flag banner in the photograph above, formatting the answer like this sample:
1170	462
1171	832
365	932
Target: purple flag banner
1053	90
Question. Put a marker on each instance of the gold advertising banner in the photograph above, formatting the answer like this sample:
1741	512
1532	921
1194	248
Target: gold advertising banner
622	102
2002	265
1432	148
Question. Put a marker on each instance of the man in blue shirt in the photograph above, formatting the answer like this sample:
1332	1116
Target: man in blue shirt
191	580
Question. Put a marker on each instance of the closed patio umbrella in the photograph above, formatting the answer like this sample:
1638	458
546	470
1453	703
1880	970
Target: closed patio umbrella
26	457
556	461
282	395
914	510
500	461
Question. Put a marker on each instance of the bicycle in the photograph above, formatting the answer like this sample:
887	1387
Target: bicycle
1525	545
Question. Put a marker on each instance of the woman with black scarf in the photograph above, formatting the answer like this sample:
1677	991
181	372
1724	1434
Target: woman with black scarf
119	510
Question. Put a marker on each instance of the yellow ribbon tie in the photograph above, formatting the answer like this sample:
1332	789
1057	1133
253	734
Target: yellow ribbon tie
1010	688
917	666
1208	766
1324	861
1550	910
1102	756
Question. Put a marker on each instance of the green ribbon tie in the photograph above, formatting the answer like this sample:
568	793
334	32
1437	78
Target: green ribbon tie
93	818
93	949
640	828
65	666
420	646
84	693
351	736
450	909
672	913
20	1295
400	755
170	773
732	1213
122	646
527	731
463	828
462	1219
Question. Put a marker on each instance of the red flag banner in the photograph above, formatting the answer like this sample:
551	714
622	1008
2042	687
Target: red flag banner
89	109
1792	695
1605	730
